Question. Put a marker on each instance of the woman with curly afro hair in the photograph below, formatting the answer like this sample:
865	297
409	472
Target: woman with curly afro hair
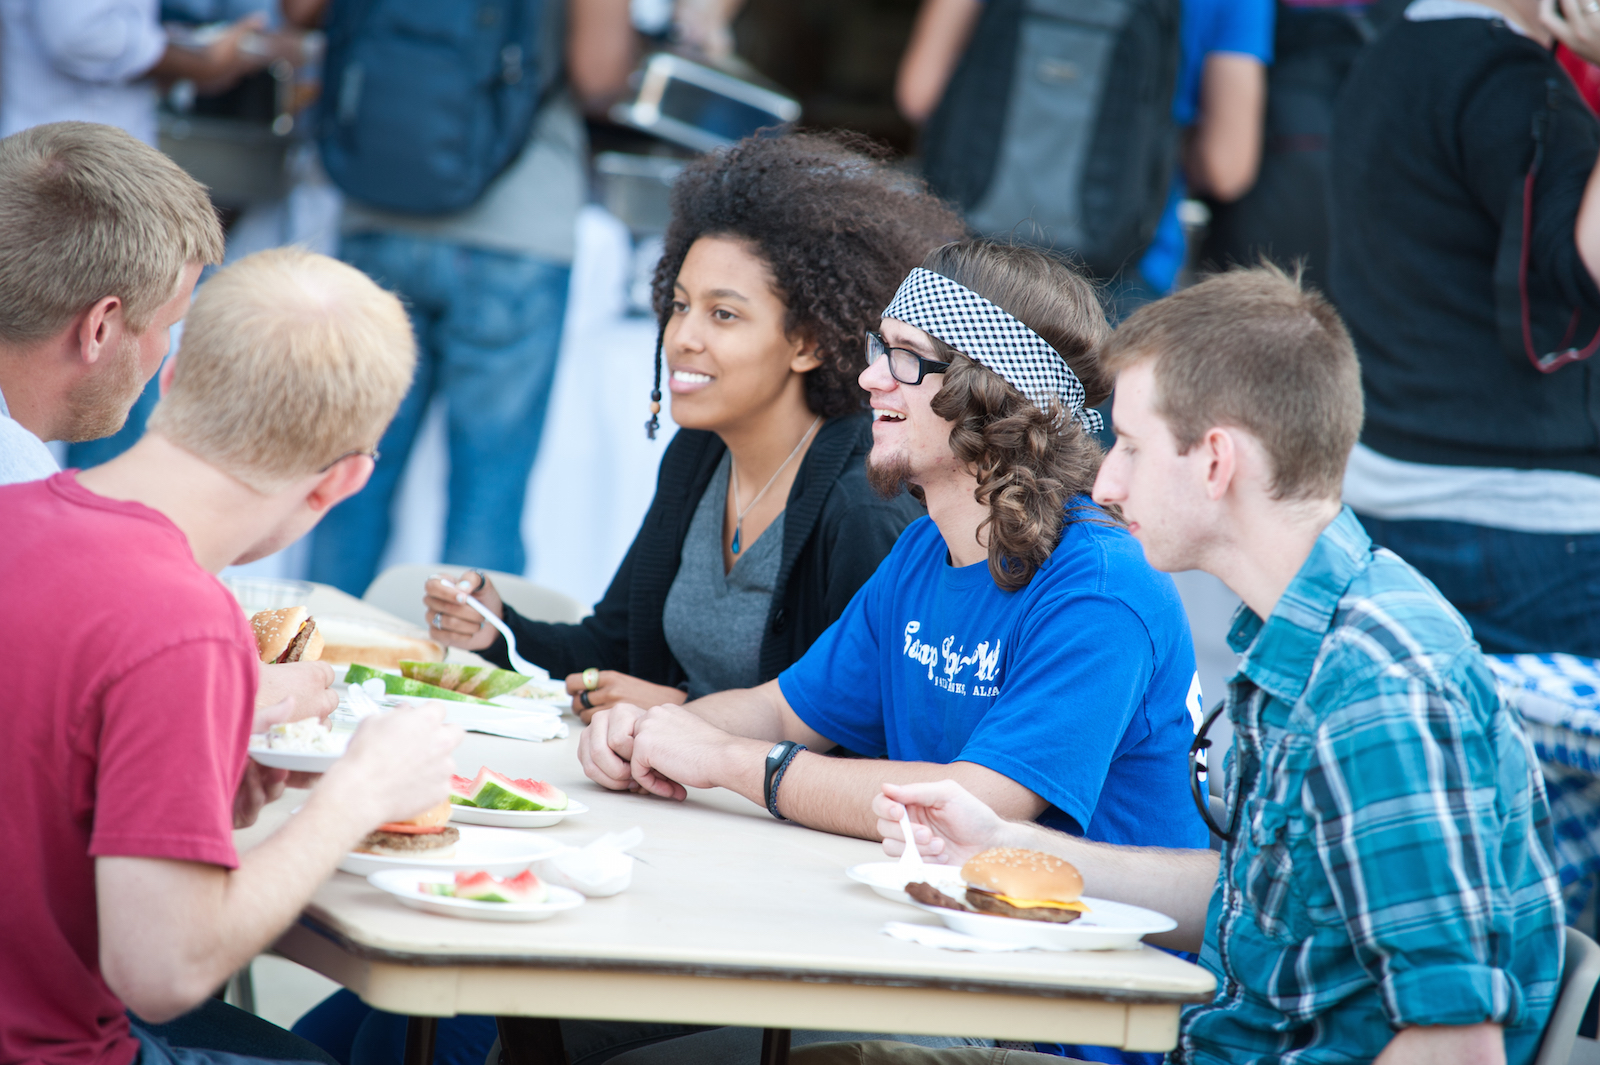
781	253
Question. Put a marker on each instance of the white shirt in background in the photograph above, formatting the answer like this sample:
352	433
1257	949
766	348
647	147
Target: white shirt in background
23	456
81	60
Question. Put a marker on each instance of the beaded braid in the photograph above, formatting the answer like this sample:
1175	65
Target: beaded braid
654	423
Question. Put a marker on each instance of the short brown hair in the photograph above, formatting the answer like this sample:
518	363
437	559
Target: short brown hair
1028	461
88	211
1254	349
837	225
290	360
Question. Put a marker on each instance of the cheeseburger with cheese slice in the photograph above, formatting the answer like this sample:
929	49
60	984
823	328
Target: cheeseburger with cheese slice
1030	885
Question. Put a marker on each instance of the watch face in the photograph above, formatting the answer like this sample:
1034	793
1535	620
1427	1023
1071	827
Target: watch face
777	751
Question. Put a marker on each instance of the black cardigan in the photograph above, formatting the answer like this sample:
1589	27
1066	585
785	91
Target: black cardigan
836	530
1433	135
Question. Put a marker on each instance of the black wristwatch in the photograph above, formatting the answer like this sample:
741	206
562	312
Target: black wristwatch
778	760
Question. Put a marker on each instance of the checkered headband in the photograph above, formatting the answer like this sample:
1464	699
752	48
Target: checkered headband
988	335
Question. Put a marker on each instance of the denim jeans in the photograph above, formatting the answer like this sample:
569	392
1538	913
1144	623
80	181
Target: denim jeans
214	1033
1521	592
488	327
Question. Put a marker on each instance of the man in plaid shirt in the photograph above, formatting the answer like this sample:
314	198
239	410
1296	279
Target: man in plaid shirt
1385	889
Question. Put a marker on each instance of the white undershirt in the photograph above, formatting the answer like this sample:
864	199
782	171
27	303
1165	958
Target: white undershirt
1536	501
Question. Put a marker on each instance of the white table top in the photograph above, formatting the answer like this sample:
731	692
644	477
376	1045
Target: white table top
720	891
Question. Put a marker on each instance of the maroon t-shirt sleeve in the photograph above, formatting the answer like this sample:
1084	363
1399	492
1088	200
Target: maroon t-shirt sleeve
171	752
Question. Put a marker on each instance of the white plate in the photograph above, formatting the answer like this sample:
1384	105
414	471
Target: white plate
295	761
889	879
1108	926
472	815
403	884
494	850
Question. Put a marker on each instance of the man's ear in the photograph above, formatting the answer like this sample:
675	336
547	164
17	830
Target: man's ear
347	477
100	329
1221	452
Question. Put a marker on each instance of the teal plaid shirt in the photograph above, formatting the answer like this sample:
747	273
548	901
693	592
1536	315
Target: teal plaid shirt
1391	865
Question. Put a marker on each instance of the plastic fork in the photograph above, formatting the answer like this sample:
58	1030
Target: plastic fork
910	857
518	663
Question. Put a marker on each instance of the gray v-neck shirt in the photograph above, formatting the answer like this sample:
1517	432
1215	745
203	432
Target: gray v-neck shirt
714	621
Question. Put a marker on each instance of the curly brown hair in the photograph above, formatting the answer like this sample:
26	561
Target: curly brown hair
837	226
1029	462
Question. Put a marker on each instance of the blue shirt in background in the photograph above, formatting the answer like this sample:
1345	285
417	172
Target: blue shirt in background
1239	26
1080	687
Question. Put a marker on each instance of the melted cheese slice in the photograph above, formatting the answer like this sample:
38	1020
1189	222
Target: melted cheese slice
1033	904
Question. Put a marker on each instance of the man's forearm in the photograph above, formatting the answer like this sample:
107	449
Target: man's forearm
1469	1044
835	794
759	713
226	918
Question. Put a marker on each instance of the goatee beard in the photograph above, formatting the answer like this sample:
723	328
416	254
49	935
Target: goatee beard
891	476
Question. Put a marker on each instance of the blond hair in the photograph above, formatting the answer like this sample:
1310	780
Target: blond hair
88	211
1254	349
290	360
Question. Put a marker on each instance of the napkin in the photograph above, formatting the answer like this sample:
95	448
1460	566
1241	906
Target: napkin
946	939
511	724
599	870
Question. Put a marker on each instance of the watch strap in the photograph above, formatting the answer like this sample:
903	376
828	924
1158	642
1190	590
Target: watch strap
778	760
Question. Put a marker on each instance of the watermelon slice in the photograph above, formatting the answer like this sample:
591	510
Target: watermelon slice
524	889
416	689
483	682
496	791
460	791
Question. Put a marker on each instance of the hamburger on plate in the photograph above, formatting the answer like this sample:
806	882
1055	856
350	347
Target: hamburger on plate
428	835
1010	882
286	635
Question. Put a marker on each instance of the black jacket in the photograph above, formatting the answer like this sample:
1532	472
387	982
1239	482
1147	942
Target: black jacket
1433	137
836	530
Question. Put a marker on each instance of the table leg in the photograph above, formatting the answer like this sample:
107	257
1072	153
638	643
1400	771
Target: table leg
530	1041
420	1033
775	1046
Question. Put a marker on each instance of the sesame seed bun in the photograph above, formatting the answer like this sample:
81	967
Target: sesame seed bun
1023	874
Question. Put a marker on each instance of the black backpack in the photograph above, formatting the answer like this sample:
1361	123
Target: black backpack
1057	125
425	102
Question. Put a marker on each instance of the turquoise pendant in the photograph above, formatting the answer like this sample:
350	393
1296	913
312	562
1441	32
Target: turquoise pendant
735	545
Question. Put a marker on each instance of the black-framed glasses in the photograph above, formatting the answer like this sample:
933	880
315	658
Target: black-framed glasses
905	365
371	453
1199	774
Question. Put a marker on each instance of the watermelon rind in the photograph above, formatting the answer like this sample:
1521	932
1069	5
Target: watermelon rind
482	682
416	689
496	791
461	791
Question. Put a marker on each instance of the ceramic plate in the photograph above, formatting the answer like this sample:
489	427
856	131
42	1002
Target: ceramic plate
889	879
472	815
404	884
1108	926
493	850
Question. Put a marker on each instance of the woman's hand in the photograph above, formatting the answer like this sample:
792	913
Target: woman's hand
450	620
617	688
1575	23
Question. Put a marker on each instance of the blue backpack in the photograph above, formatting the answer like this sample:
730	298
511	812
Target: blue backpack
425	102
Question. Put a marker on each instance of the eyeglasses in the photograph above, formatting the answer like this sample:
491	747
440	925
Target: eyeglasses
371	453
905	365
1198	774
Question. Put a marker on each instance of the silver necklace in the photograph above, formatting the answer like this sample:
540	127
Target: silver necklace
733	482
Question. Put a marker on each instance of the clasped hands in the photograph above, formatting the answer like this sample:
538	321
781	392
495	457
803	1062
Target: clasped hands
663	751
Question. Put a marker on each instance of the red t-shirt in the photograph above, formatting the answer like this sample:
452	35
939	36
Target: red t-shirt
127	687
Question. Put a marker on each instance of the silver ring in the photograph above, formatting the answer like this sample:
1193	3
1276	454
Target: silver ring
438	621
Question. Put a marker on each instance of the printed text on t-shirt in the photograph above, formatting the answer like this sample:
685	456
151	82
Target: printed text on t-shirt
945	662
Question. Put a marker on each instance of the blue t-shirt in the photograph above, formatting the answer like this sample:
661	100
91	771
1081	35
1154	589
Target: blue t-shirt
1240	26
1081	686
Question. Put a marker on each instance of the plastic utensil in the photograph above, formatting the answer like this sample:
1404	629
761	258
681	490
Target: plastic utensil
518	663
910	856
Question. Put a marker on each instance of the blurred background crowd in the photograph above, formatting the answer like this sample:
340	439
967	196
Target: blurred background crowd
1150	139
